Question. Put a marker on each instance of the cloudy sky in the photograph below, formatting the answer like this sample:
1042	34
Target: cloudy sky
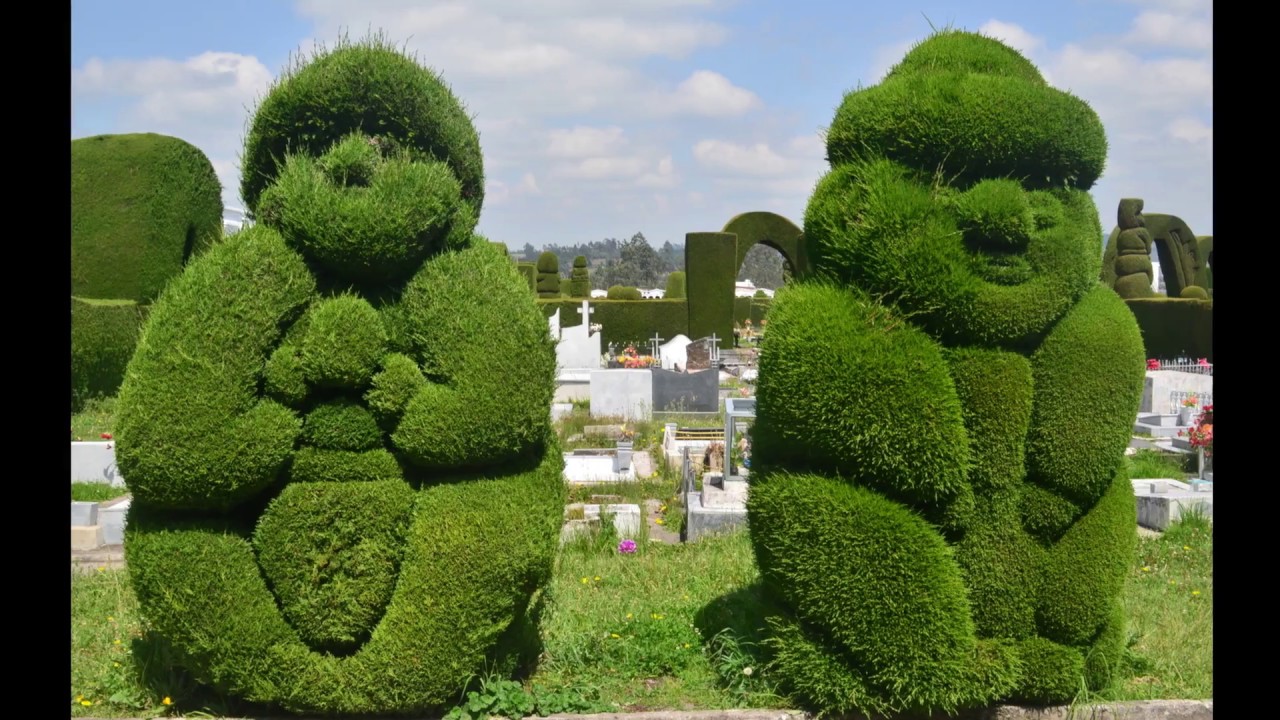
601	119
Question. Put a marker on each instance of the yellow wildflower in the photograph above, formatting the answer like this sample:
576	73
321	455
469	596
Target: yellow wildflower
85	703
1146	569
659	521
167	700
628	616
615	636
1186	547
586	580
597	578
1195	592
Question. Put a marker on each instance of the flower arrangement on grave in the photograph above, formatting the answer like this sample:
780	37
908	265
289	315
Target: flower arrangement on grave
1200	435
938	499
1190	401
1153	364
312	394
1203	362
633	360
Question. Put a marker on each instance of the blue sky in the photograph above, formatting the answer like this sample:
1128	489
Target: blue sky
660	116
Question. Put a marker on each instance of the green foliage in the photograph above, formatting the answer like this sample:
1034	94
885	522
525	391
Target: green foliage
530	273
284	378
1050	672
344	341
393	388
1096	352
580	278
476	341
312	464
625	321
1193	292
617	292
510	699
711	264
364	217
1175	327
142	205
313	104
675	289
331	552
944	109
886	413
915	653
753	309
191	432
103	336
341	425
548	275
470	555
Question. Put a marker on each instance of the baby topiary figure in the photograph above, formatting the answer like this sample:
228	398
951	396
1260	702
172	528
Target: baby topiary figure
938	499
339	506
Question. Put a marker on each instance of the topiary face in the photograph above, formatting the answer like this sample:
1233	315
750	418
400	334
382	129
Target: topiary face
965	144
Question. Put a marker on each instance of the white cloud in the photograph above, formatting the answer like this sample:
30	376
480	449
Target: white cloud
1190	130
757	159
615	36
663	176
712	94
1170	30
581	141
1012	35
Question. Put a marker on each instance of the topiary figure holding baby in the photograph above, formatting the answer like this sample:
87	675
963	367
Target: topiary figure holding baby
338	506
938	499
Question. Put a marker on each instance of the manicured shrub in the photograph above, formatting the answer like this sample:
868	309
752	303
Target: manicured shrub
938	500
103	335
675	289
1174	327
753	309
529	271
619	292
580	278
711	263
548	275
340	506
142	205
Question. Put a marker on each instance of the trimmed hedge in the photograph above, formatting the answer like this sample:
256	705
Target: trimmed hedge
619	292
548	275
625	321
340	506
938	501
709	261
752	308
675	289
1175	327
580	278
530	273
313	104
142	205
103	336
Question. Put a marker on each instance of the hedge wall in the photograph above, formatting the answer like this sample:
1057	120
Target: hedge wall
709	260
750	307
103	336
1174	327
624	321
529	271
675	289
141	206
580	278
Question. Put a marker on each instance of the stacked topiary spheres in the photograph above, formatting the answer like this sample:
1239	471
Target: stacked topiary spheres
580	278
938	501
142	205
338	506
548	275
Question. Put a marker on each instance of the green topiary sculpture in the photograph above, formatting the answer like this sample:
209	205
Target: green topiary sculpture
938	501
548	275
142	205
580	278
622	292
338	505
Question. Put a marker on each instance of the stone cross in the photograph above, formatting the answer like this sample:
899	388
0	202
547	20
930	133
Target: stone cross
654	343
586	311
715	349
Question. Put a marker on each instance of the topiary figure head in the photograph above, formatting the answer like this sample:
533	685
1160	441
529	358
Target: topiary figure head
966	144
365	179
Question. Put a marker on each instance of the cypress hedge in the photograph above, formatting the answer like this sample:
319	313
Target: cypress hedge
675	289
548	275
103	336
580	278
339	506
938	502
1175	327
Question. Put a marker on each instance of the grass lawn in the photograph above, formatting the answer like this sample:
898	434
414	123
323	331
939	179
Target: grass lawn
95	492
95	418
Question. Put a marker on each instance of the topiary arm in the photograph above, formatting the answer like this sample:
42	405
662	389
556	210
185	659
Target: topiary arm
489	358
192	430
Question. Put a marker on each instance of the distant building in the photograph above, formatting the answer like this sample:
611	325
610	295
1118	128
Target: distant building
597	294
654	294
746	288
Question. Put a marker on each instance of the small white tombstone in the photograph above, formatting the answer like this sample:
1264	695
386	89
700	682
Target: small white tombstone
673	353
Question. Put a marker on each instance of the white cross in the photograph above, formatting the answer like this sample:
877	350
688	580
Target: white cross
585	311
715	348
654	342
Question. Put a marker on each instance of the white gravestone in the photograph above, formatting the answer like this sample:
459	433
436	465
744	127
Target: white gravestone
673	353
577	348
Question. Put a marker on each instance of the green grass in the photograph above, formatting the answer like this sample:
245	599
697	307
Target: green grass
95	492
1154	464
686	620
97	417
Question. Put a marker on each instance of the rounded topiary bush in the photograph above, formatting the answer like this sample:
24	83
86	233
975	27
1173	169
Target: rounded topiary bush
620	292
339	506
142	205
938	502
548	275
675	289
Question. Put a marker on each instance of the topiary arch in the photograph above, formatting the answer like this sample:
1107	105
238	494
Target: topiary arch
712	261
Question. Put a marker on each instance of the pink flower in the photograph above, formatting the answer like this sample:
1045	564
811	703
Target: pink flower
1203	362
1153	364
627	547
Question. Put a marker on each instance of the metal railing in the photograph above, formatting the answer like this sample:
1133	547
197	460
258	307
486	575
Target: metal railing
1200	367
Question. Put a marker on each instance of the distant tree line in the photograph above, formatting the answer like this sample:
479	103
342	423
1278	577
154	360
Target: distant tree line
636	263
